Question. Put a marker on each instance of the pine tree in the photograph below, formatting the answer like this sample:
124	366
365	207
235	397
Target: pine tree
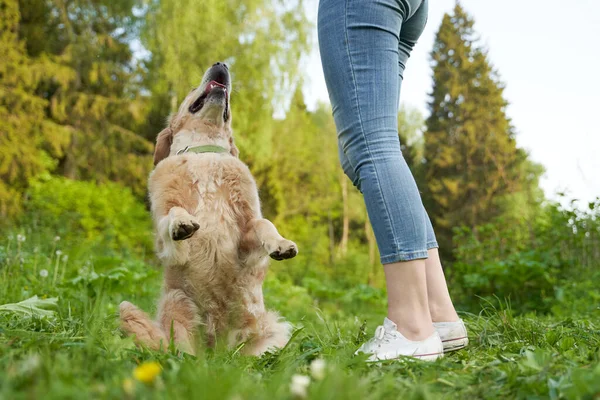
27	141
87	87
472	160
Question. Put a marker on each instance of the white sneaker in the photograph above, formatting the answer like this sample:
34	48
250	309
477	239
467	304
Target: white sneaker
453	334
388	344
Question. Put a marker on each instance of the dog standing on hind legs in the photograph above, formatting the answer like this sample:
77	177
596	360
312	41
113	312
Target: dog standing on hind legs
210	234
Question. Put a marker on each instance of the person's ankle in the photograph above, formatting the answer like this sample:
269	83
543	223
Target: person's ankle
443	313
415	329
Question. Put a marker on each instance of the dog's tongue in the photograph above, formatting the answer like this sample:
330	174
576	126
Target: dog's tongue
212	85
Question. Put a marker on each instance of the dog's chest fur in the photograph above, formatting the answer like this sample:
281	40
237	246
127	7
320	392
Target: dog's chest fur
223	189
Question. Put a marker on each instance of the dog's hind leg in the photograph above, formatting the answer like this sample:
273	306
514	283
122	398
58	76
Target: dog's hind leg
147	332
269	332
178	316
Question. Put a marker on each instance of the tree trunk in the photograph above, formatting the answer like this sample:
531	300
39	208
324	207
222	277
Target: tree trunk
345	218
331	240
371	240
173	102
69	165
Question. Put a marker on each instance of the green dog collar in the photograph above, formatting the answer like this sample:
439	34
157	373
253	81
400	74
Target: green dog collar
209	148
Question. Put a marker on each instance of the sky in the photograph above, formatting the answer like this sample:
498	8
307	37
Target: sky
548	55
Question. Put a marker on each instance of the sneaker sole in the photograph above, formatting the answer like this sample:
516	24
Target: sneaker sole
455	344
429	357
422	357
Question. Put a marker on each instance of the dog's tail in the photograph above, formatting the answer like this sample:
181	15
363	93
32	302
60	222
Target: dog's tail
137	323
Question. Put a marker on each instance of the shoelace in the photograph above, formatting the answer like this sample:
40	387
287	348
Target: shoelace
381	335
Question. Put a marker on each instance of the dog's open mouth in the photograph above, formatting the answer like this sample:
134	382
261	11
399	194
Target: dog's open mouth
217	88
213	85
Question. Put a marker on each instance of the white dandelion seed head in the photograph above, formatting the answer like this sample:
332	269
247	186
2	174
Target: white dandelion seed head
317	369
22	260
31	363
21	238
36	249
56	238
44	273
58	252
299	385
65	258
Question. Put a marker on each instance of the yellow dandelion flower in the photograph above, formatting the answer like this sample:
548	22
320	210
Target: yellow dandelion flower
147	371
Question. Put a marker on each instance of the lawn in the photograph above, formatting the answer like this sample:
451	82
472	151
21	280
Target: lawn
67	344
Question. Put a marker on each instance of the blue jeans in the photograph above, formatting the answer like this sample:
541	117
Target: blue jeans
364	46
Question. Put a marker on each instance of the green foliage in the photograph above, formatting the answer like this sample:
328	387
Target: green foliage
32	307
300	148
78	351
90	91
411	125
27	142
524	278
540	264
67	88
74	102
471	156
303	203
261	40
85	212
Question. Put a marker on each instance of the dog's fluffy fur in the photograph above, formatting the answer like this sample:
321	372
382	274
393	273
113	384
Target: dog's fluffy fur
210	235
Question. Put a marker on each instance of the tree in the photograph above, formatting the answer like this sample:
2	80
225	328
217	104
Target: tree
301	191
83	47
411	125
27	141
472	160
262	42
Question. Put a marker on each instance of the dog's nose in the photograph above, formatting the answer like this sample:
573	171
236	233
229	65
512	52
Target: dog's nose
220	63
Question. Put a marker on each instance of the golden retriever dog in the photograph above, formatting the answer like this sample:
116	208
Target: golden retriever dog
211	238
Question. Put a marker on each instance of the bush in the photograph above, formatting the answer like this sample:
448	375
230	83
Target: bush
533	263
88	214
524	278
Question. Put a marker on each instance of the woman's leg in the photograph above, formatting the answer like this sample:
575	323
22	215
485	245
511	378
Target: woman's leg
408	305
359	43
406	286
440	304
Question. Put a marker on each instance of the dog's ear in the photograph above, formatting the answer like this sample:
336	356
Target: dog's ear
163	145
234	150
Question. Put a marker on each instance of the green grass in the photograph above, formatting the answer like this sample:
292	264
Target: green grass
79	352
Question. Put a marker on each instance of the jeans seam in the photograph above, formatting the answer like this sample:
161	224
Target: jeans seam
362	129
433	244
405	256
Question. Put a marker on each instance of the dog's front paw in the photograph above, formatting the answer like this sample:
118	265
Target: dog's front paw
283	250
183	228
